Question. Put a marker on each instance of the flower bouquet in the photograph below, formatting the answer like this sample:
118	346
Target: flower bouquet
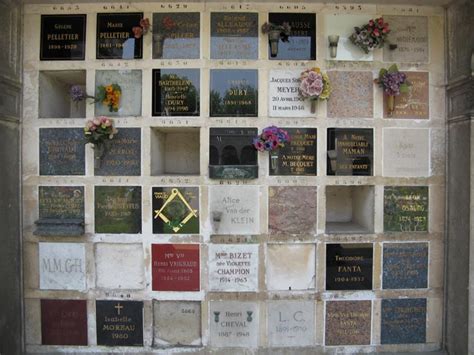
393	83
109	95
275	33
271	139
371	35
168	25
97	132
314	85
139	31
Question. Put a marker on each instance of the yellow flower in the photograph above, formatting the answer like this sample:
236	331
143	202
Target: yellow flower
316	69
109	89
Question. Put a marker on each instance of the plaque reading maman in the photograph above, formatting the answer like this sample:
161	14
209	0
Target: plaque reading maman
63	37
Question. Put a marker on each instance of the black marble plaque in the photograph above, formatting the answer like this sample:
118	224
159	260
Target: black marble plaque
122	154
298	157
176	35
175	92
61	201
350	151
302	40
403	321
62	151
118	209
63	37
234	93
115	39
119	323
349	266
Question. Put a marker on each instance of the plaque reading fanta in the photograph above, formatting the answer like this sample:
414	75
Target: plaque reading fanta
348	322
63	37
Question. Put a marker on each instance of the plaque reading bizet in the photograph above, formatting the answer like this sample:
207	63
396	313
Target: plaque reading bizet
405	209
234	93
405	265
115	38
350	151
63	37
175	92
403	321
119	323
349	266
302	40
234	35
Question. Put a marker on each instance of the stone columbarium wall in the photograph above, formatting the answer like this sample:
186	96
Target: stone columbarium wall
181	235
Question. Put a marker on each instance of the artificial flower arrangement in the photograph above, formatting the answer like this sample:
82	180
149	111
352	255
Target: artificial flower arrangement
275	33
314	85
109	95
370	36
166	28
142	29
271	139
393	83
97	132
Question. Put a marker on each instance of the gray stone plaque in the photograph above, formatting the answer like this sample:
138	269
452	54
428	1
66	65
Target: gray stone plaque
403	321
405	265
61	201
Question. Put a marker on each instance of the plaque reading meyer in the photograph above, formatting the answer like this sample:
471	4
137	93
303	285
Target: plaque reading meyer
302	40
403	321
115	38
350	151
118	209
349	266
297	157
284	99
175	92
119	323
234	93
405	209
405	265
234	35
63	37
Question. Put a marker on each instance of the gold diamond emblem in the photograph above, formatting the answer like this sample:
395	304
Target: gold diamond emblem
176	211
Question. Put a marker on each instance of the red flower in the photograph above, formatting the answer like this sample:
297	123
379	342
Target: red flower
376	32
385	30
380	21
168	23
371	22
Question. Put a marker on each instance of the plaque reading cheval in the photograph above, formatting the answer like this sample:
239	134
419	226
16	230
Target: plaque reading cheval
349	266
175	267
234	35
350	151
63	37
115	38
119	323
175	92
302	40
405	265
405	209
403	321
348	323
234	93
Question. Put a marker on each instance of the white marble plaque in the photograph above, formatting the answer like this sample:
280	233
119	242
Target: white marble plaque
233	324
234	209
233	267
406	152
62	266
290	323
284	100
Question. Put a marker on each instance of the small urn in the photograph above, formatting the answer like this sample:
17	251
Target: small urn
333	41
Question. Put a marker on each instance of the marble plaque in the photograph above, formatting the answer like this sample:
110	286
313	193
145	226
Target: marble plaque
122	155
415	103
406	152
233	324
176	323
175	267
118	209
234	35
405	209
176	35
290	266
292	210
119	323
61	202
115	38
63	322
62	151
348	322
234	93
130	82
233	267
234	209
298	157
350	151
284	100
349	266
302	39
175	210
410	34
352	94
62	266
405	265
175	92
403	321
63	37
290	323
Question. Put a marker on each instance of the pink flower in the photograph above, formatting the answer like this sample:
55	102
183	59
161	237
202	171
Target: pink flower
371	22
93	128
380	21
385	30
96	121
376	33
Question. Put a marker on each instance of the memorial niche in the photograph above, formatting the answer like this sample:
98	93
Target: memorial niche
231	154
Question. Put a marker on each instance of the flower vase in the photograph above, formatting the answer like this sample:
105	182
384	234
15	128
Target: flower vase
273	161
314	106
158	41
274	38
99	152
390	104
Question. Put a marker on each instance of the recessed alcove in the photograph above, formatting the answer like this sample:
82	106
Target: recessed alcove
349	209
175	151
54	94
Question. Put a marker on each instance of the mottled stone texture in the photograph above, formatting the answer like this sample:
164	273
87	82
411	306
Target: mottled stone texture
403	321
292	209
352	95
405	265
405	208
348	322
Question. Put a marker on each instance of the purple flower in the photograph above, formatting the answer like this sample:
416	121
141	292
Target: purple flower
77	93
